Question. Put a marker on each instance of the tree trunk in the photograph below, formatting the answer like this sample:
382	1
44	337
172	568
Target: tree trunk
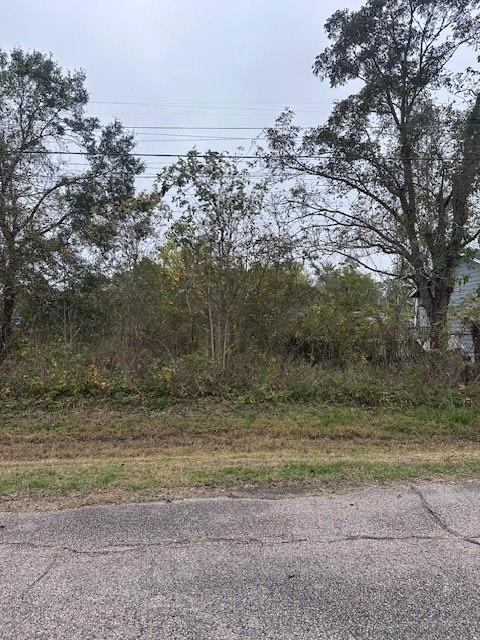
437	312
212	333
7	321
225	343
475	331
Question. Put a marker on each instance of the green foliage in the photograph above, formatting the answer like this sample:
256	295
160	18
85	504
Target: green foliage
54	222
353	318
343	322
68	378
221	307
397	161
220	244
139	338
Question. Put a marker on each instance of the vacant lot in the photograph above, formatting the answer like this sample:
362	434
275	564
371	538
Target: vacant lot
79	456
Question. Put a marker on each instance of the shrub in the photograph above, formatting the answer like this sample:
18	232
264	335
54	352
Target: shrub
58	375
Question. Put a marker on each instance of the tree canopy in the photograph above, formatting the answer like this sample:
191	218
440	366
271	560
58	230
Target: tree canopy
54	208
401	154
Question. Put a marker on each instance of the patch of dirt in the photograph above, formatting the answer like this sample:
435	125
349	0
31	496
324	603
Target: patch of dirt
54	501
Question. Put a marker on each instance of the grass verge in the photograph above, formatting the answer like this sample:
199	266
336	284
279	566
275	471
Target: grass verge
63	458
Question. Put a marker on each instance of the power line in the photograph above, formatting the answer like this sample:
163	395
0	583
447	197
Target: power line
197	139
215	108
176	101
200	100
208	155
147	155
231	104
182	128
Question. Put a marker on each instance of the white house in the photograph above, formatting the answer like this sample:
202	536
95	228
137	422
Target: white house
467	282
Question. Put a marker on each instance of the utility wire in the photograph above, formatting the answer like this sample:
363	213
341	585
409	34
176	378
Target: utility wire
189	128
195	101
205	155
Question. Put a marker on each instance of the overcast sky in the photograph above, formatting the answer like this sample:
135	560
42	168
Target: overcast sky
193	62
186	63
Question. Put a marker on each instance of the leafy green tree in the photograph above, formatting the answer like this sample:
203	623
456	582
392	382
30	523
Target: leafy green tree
51	210
277	295
400	156
220	236
342	322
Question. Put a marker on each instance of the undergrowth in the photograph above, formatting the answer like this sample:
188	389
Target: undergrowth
67	379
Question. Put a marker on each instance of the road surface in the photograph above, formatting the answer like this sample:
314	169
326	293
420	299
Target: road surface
382	563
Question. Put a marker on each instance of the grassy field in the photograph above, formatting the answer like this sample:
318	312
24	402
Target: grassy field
81	456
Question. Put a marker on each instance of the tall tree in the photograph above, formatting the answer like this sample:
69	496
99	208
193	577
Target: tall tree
220	238
400	157
51	208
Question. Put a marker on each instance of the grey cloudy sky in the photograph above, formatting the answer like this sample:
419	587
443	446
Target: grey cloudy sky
193	62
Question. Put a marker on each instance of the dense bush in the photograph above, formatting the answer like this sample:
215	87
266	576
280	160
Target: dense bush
65	377
143	336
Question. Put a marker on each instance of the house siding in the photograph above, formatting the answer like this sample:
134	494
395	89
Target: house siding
467	281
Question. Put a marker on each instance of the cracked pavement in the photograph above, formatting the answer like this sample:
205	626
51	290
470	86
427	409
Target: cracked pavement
396	562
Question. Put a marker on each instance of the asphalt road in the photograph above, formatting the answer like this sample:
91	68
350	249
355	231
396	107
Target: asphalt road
378	563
